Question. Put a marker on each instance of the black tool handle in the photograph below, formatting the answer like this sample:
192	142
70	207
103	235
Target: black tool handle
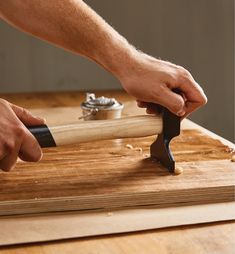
43	135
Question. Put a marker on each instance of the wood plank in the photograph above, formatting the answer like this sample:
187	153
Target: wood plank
201	239
57	226
216	238
106	175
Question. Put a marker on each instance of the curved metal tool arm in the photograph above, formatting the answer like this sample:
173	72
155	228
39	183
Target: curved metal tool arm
160	149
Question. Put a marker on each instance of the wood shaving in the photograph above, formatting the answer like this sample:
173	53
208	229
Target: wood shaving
233	158
230	150
138	149
129	146
146	155
178	170
109	214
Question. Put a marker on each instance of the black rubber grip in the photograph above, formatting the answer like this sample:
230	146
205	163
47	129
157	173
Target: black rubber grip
43	135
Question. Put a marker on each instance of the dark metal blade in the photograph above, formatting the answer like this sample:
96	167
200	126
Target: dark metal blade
160	149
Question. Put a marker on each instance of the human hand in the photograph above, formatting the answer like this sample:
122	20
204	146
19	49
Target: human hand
15	139
151	80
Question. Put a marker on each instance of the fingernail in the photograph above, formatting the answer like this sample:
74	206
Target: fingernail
40	157
181	112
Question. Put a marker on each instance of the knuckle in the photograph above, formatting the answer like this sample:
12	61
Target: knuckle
157	92
176	107
4	102
16	136
203	100
9	146
184	75
25	112
19	131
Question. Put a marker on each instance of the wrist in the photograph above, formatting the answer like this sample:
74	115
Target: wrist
120	58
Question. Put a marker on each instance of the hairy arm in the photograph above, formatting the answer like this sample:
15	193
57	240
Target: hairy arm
73	25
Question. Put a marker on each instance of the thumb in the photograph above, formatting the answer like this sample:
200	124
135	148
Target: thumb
173	101
26	117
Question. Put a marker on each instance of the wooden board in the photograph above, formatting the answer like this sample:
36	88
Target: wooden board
215	238
107	175
58	226
191	239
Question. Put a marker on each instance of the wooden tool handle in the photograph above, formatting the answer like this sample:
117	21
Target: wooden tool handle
129	127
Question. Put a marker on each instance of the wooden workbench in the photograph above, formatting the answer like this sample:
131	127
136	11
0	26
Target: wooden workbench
209	238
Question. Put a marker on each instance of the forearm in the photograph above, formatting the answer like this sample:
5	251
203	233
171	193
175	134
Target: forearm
70	24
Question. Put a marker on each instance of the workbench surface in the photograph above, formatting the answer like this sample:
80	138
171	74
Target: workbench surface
206	238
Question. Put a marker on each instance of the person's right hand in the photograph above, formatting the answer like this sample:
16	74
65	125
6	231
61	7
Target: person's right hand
15	139
151	80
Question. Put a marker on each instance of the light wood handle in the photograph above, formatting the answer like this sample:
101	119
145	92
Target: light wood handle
129	127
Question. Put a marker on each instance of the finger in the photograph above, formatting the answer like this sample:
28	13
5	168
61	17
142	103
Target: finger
30	149
151	108
8	162
193	91
173	101
141	104
191	106
3	151
151	111
193	94
26	117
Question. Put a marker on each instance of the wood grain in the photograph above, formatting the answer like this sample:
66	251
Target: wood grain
56	226
216	238
203	239
106	174
87	131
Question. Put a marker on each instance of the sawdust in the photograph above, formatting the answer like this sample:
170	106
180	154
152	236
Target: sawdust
129	146
178	170
138	149
233	158
146	155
